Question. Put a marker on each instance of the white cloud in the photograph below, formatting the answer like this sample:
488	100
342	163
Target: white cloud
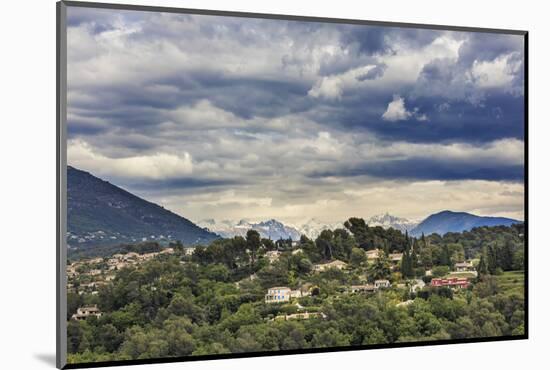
422	117
396	110
204	115
154	166
414	200
332	87
405	65
505	151
327	87
496	73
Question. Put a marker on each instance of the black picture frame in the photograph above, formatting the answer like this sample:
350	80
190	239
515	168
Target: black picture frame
61	185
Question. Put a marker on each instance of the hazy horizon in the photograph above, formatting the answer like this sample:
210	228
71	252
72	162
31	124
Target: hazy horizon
238	118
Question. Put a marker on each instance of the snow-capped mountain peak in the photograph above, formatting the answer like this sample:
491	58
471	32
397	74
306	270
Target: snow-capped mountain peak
386	221
270	229
313	227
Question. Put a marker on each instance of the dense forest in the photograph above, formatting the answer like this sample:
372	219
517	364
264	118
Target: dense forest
211	301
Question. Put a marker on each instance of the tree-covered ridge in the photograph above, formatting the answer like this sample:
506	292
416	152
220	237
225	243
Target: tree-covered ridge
100	214
212	301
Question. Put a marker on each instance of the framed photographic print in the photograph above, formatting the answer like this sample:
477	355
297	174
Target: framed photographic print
235	184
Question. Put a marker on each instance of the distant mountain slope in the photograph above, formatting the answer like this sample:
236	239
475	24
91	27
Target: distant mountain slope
386	221
448	221
100	213
271	229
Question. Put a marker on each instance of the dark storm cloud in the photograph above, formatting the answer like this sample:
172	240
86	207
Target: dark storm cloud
140	104
486	47
375	40
177	184
263	98
99	20
429	169
369	40
460	122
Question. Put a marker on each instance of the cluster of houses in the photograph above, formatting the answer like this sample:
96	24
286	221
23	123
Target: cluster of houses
99	271
119	261
95	272
284	294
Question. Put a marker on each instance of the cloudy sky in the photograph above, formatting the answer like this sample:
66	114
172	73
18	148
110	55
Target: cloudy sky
232	118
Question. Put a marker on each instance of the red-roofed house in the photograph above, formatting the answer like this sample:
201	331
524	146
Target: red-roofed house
451	282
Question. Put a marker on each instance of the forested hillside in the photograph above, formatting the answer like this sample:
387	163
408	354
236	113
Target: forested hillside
213	300
102	214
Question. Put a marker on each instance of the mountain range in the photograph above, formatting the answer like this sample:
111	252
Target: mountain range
449	221
440	223
275	230
100	213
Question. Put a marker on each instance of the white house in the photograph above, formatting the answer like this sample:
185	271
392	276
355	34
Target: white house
301	316
85	312
395	257
373	254
365	288
336	264
298	293
466	266
416	284
382	283
272	256
278	294
405	303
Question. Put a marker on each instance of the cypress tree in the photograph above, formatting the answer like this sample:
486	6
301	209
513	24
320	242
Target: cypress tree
406	265
386	247
482	266
492	259
414	259
445	259
507	256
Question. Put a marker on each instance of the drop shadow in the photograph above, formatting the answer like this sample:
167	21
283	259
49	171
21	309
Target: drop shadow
47	358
